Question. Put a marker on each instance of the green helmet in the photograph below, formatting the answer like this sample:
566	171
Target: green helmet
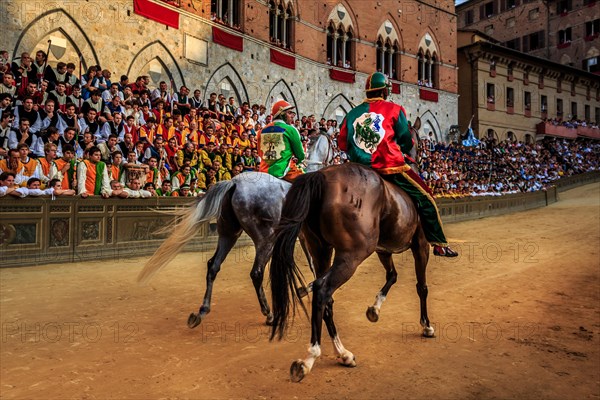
376	81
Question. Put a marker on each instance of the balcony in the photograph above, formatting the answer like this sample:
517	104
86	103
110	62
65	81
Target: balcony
549	129
590	38
527	113
563	45
510	109
586	131
491	106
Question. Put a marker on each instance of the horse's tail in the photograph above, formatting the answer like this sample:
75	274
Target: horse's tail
209	207
303	196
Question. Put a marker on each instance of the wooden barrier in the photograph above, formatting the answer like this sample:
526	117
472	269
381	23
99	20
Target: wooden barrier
41	230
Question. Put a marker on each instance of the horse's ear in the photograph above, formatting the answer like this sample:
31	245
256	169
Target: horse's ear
417	124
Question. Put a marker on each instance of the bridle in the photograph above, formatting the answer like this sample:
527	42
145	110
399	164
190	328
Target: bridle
416	161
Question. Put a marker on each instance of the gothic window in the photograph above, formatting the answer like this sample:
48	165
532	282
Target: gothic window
227	12
281	26
427	73
387	58
340	46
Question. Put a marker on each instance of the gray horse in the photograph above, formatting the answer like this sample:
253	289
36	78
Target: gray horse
251	202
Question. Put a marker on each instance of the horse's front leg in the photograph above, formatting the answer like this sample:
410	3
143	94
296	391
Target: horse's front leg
420	250
345	357
391	277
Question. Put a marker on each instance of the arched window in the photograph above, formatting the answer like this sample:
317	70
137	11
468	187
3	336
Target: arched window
387	58
380	55
340	46
281	24
227	12
427	74
395	58
330	39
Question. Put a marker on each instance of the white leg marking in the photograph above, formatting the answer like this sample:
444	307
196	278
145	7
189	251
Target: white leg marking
345	356
428	331
379	299
314	352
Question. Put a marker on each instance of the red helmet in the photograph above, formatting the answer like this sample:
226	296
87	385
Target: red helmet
280	107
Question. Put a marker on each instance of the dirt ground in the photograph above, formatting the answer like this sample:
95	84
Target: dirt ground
517	315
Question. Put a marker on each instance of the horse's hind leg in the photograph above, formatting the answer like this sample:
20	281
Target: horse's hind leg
390	278
420	250
263	254
345	357
229	232
323	289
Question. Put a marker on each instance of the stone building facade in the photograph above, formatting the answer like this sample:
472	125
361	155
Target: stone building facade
507	93
563	31
403	38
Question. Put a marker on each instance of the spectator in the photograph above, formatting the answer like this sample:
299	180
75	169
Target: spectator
7	183
64	168
92	176
134	190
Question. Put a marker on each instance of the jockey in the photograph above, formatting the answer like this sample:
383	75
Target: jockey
376	134
279	142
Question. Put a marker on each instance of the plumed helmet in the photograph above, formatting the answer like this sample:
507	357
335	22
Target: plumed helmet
376	81
280	107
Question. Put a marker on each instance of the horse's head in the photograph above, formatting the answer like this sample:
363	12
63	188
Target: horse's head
414	152
320	152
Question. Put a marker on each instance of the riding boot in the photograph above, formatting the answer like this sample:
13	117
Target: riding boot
444	251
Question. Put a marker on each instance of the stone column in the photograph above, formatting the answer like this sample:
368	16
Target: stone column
429	72
390	58
220	9
276	23
344	40
230	12
284	29
334	58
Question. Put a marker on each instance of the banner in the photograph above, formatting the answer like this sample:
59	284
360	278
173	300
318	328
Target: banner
156	13
285	60
227	39
342	76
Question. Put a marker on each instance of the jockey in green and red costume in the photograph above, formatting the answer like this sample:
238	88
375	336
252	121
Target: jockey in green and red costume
280	144
376	134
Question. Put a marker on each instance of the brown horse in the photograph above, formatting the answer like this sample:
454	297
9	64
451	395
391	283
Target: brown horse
350	209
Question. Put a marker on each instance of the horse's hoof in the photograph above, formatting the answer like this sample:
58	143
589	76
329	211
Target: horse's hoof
194	320
372	314
269	320
429	332
297	371
301	292
346	362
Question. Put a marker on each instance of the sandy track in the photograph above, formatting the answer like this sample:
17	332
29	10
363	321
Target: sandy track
516	316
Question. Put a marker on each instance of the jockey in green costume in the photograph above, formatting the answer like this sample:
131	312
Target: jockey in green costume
376	134
280	145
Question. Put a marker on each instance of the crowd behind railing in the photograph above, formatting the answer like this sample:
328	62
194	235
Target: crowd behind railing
65	134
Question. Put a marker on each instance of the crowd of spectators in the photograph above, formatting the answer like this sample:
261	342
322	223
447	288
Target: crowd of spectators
106	138
65	135
493	169
572	123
